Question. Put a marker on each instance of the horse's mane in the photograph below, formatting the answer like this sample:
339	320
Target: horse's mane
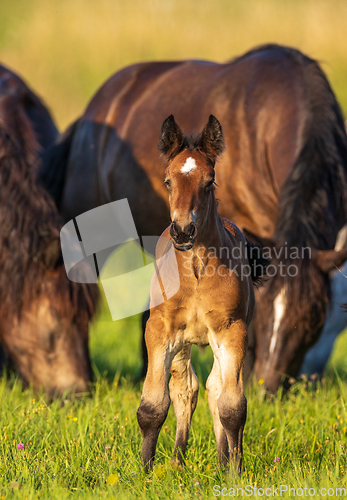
296	54
40	118
312	205
29	223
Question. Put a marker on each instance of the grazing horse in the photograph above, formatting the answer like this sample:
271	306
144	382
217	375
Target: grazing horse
44	317
42	123
283	176
214	304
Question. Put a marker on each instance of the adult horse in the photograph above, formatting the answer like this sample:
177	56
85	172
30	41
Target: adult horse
41	121
282	176
44	317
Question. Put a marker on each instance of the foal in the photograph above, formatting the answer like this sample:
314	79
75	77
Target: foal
214	304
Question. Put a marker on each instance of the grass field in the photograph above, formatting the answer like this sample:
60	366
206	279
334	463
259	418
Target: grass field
90	448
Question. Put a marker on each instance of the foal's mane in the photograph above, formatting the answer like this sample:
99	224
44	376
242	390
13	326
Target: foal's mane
313	205
29	223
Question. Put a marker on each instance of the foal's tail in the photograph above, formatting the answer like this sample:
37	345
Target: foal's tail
54	162
258	262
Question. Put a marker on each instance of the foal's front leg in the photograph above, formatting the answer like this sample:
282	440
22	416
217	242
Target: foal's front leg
184	387
229	348
214	386
155	400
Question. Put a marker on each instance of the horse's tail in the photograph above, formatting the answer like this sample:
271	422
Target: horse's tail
314	196
54	162
258	262
313	201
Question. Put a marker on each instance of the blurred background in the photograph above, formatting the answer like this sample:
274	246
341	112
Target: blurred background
66	49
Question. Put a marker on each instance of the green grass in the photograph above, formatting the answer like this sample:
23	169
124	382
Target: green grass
90	448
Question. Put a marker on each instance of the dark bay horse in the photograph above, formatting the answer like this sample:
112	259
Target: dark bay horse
44	317
214	304
282	176
41	121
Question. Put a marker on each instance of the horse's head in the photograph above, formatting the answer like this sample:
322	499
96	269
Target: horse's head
189	178
48	339
290	312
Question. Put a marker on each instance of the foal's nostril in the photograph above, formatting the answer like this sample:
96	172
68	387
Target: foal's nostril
192	230
182	236
174	230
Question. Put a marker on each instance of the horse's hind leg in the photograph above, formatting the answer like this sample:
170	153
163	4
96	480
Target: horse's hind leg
144	319
184	387
155	400
214	391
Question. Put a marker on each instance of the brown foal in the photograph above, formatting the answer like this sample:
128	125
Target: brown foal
214	304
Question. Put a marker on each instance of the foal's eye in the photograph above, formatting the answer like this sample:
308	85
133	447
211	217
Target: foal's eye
167	183
209	185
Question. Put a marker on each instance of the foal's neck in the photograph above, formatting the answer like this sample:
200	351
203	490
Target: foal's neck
211	233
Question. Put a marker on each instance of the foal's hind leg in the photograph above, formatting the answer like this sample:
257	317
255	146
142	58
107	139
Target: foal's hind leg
184	387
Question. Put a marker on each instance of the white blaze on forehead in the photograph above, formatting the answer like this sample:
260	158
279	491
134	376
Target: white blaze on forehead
189	166
279	308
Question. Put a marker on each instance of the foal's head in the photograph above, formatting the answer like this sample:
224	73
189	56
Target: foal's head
190	177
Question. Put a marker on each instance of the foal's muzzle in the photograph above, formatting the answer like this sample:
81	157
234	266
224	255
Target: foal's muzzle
183	238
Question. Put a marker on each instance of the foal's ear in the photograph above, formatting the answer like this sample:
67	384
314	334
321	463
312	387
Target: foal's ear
212	140
171	138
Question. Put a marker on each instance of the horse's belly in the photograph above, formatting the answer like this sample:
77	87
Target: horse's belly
196	321
196	334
